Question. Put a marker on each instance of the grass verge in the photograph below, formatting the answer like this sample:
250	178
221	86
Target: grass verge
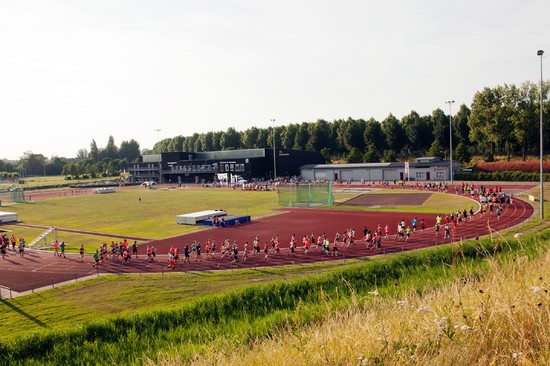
242	316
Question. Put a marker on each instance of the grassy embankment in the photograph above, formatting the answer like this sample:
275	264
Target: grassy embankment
221	326
432	272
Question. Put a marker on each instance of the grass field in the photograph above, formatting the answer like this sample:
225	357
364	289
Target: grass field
149	298
122	213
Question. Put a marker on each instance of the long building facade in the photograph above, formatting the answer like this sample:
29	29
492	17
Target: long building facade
423	169
222	166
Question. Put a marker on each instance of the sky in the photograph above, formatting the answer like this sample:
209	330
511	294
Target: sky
72	71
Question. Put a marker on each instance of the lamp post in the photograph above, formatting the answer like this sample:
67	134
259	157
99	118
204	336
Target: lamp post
158	134
540	53
274	157
450	103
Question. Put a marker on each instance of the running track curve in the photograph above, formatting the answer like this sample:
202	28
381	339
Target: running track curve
38	269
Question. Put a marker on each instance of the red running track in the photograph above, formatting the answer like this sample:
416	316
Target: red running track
40	269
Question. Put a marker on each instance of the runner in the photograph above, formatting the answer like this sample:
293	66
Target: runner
134	249
186	253
56	248
81	253
266	251
96	258
13	242
62	246
21	248
408	233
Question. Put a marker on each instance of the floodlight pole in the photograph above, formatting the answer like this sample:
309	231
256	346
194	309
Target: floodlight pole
158	134
450	103
540	53
274	156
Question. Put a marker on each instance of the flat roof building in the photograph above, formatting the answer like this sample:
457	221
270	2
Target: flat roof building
423	169
219	166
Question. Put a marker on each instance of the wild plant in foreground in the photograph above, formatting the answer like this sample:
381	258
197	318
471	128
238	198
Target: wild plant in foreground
502	318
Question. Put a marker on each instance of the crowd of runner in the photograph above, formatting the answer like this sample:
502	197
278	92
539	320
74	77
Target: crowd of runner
492	203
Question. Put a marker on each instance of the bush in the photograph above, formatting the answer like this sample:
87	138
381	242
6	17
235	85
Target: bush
511	166
504	176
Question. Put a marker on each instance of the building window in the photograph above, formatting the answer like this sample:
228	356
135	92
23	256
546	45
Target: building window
226	167
419	175
232	167
439	175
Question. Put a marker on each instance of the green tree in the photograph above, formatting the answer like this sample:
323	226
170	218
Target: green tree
82	154
263	139
461	130
94	151
230	140
290	136
207	141
353	134
372	155
440	127
395	135
484	120
355	156
55	167
302	137
374	134
32	164
418	131
250	138
526	119
319	135
461	153
129	150
198	144
436	149
111	150
325	151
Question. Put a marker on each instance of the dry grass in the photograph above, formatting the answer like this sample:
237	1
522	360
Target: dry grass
500	319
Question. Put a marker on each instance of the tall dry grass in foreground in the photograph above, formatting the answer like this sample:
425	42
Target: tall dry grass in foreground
500	319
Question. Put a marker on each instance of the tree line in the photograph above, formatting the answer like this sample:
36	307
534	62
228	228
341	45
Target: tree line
106	161
501	120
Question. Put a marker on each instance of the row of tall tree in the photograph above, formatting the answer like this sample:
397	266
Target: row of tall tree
503	119
109	160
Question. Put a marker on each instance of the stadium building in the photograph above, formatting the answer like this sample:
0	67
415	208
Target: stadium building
228	166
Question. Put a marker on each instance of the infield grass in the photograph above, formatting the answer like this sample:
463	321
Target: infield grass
122	213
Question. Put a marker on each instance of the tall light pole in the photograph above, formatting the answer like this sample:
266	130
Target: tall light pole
450	103
540	53
274	156
158	134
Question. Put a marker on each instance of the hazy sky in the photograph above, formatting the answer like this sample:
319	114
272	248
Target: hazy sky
72	71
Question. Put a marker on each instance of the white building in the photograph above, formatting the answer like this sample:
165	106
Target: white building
423	169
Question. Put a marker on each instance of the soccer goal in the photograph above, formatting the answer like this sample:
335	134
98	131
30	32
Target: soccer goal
305	195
